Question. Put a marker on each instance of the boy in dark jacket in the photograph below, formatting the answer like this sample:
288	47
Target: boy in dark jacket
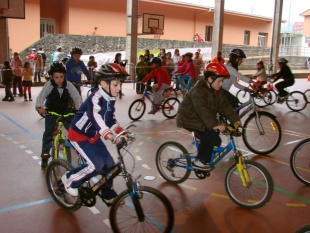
7	80
56	96
197	112
93	124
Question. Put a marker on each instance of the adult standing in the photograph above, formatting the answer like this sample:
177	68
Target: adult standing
17	66
75	67
218	58
41	51
123	63
58	54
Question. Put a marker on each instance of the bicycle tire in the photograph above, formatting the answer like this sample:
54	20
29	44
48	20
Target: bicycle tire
259	190
299	161
170	107
243	96
262	143
157	209
304	229
66	151
307	95
136	109
54	172
168	153
270	97
260	101
296	101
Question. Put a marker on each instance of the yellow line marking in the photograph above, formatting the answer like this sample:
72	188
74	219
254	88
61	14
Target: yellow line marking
219	195
188	187
295	205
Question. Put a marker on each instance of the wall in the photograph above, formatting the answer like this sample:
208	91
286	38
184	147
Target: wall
22	33
77	18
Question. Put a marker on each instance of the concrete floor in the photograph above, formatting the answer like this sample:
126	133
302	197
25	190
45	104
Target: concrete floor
200	205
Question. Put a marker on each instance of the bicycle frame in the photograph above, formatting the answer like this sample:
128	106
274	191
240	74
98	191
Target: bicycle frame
58	137
217	155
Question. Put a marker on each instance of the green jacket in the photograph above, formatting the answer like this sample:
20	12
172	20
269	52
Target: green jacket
199	107
141	68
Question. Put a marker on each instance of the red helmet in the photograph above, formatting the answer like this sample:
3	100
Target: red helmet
216	70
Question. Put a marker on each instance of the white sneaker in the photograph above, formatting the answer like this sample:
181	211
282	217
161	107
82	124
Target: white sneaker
72	191
197	163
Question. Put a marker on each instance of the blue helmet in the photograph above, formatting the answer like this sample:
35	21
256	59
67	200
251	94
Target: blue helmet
237	53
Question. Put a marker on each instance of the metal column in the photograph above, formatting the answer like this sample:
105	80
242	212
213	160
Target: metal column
217	37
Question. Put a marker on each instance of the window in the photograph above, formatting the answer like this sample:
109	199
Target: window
246	39
209	33
262	39
47	26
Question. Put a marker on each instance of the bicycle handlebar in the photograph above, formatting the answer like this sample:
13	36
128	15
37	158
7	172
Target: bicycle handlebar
59	115
130	135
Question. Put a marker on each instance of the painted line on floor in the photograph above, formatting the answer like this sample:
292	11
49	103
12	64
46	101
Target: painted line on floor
219	195
21	206
188	187
21	127
295	205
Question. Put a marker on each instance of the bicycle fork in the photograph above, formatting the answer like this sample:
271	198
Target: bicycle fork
242	169
135	195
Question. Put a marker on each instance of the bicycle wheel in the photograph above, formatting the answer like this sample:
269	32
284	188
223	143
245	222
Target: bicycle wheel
243	96
304	229
260	101
296	101
136	109
256	193
270	97
170	156
157	210
262	141
300	161
54	172
170	107
307	95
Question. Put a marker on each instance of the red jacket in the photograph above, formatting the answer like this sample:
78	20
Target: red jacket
161	75
189	69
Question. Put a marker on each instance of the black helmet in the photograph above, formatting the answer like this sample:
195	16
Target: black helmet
237	53
282	60
65	59
156	60
76	50
57	66
111	71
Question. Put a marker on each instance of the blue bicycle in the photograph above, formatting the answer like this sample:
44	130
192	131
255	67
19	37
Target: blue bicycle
247	182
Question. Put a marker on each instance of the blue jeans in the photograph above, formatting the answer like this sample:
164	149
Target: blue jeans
182	79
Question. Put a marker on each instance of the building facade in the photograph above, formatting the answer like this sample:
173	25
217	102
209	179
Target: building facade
108	18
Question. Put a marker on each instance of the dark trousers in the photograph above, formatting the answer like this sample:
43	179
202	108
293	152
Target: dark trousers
17	83
8	92
50	124
140	86
284	84
208	140
233	100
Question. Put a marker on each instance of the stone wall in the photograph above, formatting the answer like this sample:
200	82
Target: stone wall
111	44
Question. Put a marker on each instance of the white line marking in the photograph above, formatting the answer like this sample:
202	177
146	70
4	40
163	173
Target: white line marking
106	222
146	166
138	157
94	210
29	152
22	146
35	157
2	135
140	143
9	138
15	142
137	150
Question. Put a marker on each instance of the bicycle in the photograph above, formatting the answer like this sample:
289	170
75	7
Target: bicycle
296	101
307	95
181	87
262	98
136	209
261	130
247	183
300	161
169	105
60	147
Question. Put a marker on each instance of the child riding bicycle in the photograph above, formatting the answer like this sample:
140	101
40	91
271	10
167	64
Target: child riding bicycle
197	112
93	124
260	76
56	95
163	82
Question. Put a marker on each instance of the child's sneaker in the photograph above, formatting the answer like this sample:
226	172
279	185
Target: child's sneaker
74	192
203	166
